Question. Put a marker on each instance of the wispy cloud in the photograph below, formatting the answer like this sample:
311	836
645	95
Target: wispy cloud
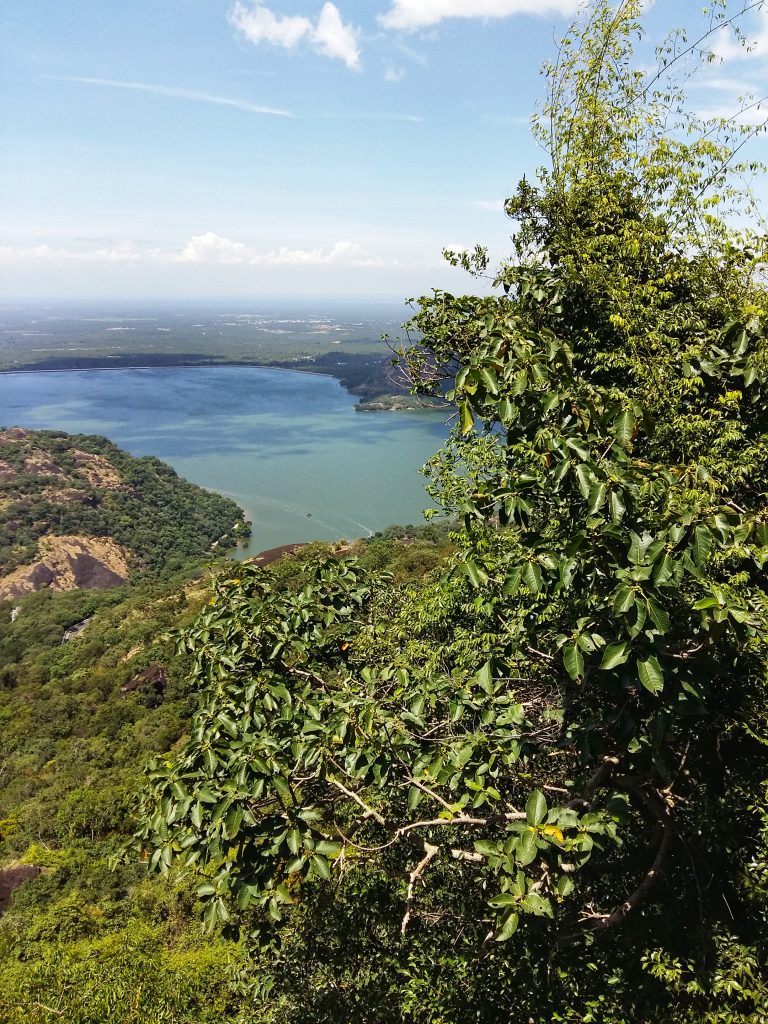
415	14
507	118
174	93
329	35
213	248
728	47
393	74
406	118
489	205
207	249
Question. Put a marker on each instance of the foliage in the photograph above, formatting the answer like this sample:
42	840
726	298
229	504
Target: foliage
49	486
558	737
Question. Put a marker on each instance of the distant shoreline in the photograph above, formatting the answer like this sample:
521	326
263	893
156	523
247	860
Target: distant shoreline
164	366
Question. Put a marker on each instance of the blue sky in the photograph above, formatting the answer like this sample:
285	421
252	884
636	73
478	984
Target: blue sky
211	148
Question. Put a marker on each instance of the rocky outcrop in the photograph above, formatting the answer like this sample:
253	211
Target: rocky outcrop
154	677
69	563
11	879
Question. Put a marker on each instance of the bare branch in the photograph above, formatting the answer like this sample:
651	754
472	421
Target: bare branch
430	852
359	800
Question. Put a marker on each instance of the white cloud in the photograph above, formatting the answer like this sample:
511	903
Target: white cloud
123	253
727	47
182	94
414	14
212	248
393	74
489	205
335	39
347	254
753	115
207	249
261	25
328	36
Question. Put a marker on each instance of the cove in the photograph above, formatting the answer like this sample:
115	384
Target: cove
287	446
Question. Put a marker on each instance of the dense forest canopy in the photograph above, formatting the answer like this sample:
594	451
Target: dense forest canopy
530	785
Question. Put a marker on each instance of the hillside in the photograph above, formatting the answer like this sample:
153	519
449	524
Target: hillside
77	512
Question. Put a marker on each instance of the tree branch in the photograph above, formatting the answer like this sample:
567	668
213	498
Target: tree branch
359	800
430	852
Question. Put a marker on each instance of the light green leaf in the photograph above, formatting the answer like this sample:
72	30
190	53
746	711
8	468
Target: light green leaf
651	675
536	808
614	655
508	927
573	660
466	419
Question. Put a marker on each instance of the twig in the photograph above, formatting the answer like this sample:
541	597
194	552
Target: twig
358	800
540	654
461	819
429	792
430	852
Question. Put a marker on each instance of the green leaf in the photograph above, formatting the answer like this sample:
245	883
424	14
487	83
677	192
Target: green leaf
624	427
282	787
486	847
526	847
477	576
508	927
659	615
532	577
596	498
535	903
488	377
573	660
615	654
702	545
294	841
623	600
320	866
618	508
504	899
232	821
664	570
466	419
536	808
415	796
651	675
328	848
564	886
485	678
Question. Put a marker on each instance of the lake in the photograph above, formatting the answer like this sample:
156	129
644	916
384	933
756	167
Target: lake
287	446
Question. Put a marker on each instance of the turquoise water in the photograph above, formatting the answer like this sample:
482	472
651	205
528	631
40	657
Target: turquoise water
288	447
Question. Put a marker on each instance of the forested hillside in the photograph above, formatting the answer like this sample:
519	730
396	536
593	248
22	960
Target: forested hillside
99	513
517	774
84	939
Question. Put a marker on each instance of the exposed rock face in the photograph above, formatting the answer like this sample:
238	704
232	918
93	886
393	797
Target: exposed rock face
69	563
12	878
154	677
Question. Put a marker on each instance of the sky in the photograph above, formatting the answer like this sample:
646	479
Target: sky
291	148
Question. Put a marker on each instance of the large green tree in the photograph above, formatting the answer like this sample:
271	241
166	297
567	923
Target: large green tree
531	789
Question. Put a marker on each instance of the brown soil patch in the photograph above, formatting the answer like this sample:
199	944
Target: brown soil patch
66	496
98	470
38	463
70	563
275	554
13	434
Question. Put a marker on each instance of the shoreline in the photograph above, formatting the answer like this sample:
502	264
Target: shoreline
166	366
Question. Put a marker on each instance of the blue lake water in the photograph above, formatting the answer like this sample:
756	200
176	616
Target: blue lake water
288	447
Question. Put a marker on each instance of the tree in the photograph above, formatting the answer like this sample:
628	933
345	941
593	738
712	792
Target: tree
566	726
